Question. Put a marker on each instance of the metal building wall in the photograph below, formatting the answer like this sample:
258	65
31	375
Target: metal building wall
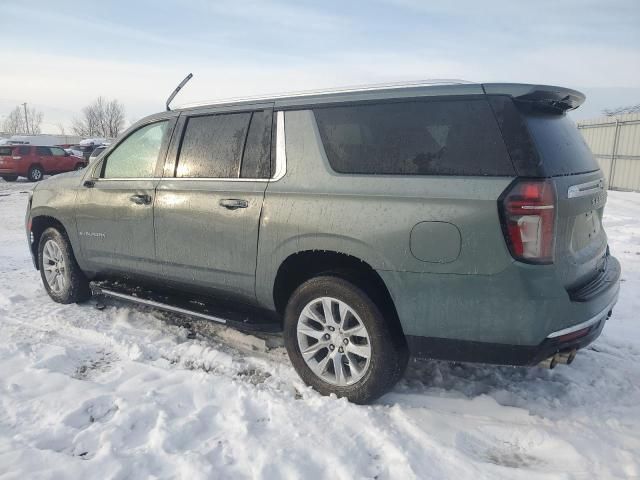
615	142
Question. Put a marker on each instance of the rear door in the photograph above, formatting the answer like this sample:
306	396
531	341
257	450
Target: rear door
209	202
114	210
45	159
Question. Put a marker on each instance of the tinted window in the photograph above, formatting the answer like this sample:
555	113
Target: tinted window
24	150
137	155
257	150
6	151
43	151
212	146
57	151
561	147
419	137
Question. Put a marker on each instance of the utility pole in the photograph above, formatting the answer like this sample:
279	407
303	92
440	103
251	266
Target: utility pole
26	122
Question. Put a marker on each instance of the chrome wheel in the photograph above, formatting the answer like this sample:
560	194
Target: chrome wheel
333	341
55	269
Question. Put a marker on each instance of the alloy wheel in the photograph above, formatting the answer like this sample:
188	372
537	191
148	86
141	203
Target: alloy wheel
55	269
333	341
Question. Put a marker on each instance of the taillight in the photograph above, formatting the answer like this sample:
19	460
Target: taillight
527	211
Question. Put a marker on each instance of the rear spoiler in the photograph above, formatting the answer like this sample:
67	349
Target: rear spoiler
544	97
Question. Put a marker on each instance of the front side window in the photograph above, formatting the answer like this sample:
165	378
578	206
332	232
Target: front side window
57	151
212	146
435	137
137	155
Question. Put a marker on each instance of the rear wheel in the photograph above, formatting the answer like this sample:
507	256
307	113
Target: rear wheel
36	173
61	275
339	341
9	178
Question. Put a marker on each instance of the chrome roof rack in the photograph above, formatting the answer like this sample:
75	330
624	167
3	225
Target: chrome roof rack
330	91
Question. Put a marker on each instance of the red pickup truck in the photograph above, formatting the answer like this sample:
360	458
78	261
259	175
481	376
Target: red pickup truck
35	162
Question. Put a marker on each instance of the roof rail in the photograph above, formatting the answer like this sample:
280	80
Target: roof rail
351	89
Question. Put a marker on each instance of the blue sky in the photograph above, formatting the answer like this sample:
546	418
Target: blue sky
63	54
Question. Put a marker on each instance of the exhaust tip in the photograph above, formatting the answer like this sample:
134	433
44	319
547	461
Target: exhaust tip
549	363
566	358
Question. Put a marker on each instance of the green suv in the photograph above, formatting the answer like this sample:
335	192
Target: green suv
451	221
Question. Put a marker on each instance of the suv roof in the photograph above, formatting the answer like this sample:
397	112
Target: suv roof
559	98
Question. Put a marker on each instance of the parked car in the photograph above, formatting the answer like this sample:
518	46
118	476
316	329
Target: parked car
97	152
458	222
34	162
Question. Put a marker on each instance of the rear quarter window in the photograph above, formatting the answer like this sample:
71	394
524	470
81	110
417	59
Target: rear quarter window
6	151
422	137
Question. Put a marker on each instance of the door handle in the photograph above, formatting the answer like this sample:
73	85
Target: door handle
233	203
140	199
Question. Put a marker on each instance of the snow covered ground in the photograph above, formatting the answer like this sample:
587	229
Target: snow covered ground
126	392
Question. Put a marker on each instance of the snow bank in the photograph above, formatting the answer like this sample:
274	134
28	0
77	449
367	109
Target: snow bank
129	393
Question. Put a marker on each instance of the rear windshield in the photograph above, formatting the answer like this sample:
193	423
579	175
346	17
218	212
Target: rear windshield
562	149
541	144
5	151
418	137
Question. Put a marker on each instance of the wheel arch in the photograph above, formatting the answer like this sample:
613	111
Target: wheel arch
38	226
304	265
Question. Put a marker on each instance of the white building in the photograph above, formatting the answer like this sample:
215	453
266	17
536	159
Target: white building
615	142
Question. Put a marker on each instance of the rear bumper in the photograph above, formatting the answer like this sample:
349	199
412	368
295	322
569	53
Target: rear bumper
572	338
516	317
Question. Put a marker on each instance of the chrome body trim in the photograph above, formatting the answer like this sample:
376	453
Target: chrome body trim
584	189
592	321
281	149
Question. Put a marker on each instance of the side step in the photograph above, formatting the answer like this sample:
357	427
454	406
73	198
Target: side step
240	317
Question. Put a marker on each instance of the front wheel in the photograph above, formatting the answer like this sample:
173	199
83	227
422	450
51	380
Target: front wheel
339	342
61	275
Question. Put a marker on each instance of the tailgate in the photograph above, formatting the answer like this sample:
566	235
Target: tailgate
581	243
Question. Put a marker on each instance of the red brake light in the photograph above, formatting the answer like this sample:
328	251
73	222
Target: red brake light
527	211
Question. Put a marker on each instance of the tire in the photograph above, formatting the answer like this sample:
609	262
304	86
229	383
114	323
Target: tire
36	173
10	178
367	379
54	251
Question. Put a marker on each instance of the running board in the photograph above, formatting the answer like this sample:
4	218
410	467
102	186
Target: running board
161	306
240	317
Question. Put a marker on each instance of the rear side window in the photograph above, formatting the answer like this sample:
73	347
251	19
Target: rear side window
257	150
426	137
24	150
43	151
212	146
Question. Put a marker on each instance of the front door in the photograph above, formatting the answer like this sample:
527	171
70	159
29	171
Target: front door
208	206
60	161
115	205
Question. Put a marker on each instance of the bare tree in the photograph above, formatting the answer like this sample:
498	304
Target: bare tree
101	118
609	112
16	123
